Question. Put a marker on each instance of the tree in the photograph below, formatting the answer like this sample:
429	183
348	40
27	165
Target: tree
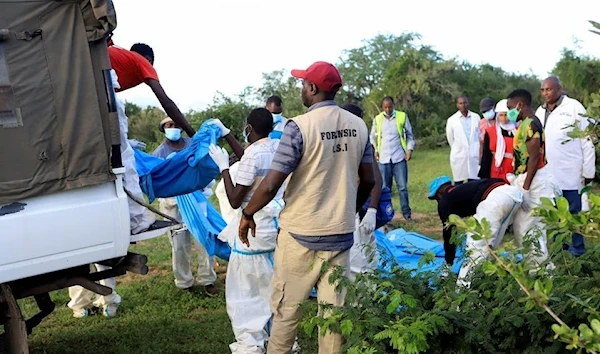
285	86
143	124
579	75
363	68
231	111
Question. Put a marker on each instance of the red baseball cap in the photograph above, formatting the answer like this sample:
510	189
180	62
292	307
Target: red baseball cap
325	75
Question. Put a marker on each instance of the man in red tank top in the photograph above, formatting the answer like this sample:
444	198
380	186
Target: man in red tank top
136	66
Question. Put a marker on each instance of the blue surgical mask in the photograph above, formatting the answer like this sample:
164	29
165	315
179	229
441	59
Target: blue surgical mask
245	134
489	114
277	118
173	134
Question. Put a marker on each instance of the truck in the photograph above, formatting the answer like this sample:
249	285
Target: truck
63	206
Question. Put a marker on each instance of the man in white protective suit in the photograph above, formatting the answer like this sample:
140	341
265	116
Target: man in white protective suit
491	199
364	255
181	240
250	269
140	218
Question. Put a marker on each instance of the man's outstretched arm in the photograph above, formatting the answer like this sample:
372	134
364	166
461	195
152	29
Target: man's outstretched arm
170	107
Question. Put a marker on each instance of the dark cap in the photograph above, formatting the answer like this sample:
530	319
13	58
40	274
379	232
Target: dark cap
325	75
486	104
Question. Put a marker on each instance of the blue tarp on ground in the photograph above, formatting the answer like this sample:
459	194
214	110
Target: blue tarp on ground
406	248
204	228
188	171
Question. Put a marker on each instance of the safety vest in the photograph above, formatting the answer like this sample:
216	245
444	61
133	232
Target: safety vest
400	121
507	161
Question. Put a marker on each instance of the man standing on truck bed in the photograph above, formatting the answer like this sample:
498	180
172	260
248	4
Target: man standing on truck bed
132	67
136	66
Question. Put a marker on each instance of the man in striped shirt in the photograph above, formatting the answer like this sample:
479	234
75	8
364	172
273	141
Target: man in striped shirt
250	269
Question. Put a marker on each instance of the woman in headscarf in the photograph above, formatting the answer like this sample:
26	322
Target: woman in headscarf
497	155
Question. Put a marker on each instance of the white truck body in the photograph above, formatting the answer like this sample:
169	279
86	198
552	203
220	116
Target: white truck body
64	230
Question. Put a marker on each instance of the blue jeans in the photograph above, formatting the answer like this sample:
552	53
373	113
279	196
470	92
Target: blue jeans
400	173
577	247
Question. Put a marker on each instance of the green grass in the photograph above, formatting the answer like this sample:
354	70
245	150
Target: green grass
155	317
422	168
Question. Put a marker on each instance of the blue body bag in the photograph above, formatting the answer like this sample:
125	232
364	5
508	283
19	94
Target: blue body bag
204	228
188	171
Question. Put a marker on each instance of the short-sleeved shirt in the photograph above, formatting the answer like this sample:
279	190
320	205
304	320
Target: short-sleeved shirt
290	149
286	160
164	150
255	164
530	128
132	68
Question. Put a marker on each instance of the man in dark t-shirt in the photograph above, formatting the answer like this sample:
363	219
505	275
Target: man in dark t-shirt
461	200
490	199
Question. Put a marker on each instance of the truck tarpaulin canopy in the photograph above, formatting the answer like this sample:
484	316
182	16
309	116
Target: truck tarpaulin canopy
56	124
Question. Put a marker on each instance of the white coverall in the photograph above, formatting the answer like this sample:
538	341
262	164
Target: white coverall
181	244
248	282
140	217
227	212
81	298
364	255
464	149
499	209
249	272
543	186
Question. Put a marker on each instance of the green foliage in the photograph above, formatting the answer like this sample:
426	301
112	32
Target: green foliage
579	75
420	79
143	124
512	305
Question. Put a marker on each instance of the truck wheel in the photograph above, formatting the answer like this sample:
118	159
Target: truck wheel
14	339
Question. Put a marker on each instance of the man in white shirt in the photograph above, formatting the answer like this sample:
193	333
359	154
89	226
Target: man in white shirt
462	133
275	106
572	163
392	137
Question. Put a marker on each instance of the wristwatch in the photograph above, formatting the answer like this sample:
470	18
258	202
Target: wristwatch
246	216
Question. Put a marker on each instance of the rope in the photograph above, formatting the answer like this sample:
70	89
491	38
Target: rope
151	208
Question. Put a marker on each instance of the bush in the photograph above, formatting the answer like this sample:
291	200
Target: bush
508	308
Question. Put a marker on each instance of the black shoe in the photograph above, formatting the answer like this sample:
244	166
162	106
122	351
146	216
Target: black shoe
160	224
211	290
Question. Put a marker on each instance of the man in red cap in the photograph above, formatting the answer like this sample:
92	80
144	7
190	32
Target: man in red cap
328	150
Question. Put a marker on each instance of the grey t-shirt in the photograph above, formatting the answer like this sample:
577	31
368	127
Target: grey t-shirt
164	149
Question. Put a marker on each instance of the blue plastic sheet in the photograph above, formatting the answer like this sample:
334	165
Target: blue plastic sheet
204	228
187	171
407	248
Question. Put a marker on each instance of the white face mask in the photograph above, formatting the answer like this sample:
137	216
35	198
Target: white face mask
489	114
245	134
510	126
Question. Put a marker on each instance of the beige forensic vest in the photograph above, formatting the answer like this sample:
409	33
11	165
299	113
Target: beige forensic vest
320	198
